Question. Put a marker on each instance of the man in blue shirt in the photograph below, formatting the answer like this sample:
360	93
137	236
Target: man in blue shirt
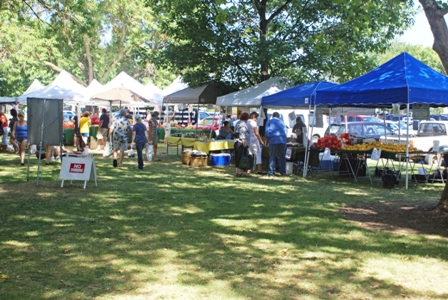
276	135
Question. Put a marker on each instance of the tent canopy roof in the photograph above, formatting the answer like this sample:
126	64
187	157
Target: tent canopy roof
130	83
175	86
205	94
63	87
401	80
251	96
299	96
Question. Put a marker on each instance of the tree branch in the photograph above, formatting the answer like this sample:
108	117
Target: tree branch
59	70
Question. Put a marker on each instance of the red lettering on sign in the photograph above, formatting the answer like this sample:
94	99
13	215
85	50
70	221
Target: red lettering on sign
77	168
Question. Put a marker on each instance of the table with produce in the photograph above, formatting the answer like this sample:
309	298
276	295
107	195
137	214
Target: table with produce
352	153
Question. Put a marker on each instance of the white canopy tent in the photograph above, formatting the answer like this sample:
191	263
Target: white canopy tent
124	80
174	86
152	87
251	97
63	87
95	87
35	85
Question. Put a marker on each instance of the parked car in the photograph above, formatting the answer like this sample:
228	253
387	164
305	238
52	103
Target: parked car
211	123
360	118
399	128
68	114
439	117
365	130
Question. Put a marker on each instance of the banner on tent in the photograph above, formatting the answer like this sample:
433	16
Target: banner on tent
420	111
340	111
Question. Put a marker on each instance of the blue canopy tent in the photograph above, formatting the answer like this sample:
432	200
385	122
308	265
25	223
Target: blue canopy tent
299	96
403	80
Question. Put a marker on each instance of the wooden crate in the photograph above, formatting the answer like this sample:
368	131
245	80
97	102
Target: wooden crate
198	161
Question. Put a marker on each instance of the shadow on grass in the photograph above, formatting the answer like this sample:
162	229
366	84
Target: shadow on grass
172	229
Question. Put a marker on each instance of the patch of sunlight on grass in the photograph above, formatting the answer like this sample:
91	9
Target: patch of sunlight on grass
31	233
16	244
62	225
188	209
121	218
232	238
221	290
400	270
355	192
46	219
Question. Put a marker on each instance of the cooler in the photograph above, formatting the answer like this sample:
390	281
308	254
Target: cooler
220	159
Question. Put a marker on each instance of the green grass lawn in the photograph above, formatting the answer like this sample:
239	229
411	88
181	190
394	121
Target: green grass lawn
177	232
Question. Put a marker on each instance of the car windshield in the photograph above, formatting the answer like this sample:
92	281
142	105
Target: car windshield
371	119
360	129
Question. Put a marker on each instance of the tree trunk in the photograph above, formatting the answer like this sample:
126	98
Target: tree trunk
443	203
89	59
435	16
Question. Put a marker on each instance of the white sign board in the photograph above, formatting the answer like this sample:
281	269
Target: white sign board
78	168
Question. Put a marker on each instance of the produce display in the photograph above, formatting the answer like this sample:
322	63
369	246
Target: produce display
343	142
329	141
390	147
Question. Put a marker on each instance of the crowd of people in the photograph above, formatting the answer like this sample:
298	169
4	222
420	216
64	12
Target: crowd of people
116	131
247	139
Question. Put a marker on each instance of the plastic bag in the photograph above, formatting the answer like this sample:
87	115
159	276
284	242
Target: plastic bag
99	136
327	154
131	153
107	150
149	152
33	149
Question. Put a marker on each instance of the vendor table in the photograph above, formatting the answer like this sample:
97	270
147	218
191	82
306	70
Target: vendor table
209	146
182	141
161	132
353	164
297	156
396	161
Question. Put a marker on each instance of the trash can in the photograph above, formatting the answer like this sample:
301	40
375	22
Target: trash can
69	136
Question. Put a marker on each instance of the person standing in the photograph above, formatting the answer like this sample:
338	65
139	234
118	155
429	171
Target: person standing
276	136
241	142
13	120
120	130
139	139
84	126
4	131
153	125
103	128
299	129
255	140
20	133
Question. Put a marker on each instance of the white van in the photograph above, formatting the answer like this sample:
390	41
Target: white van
317	126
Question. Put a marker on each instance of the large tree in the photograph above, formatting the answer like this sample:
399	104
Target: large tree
244	42
435	12
88	38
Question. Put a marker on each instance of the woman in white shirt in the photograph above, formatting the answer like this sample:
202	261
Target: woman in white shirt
255	140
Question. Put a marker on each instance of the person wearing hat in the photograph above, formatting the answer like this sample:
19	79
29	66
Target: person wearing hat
119	131
139	139
20	133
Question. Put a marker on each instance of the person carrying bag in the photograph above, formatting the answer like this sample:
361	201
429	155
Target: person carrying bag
241	144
